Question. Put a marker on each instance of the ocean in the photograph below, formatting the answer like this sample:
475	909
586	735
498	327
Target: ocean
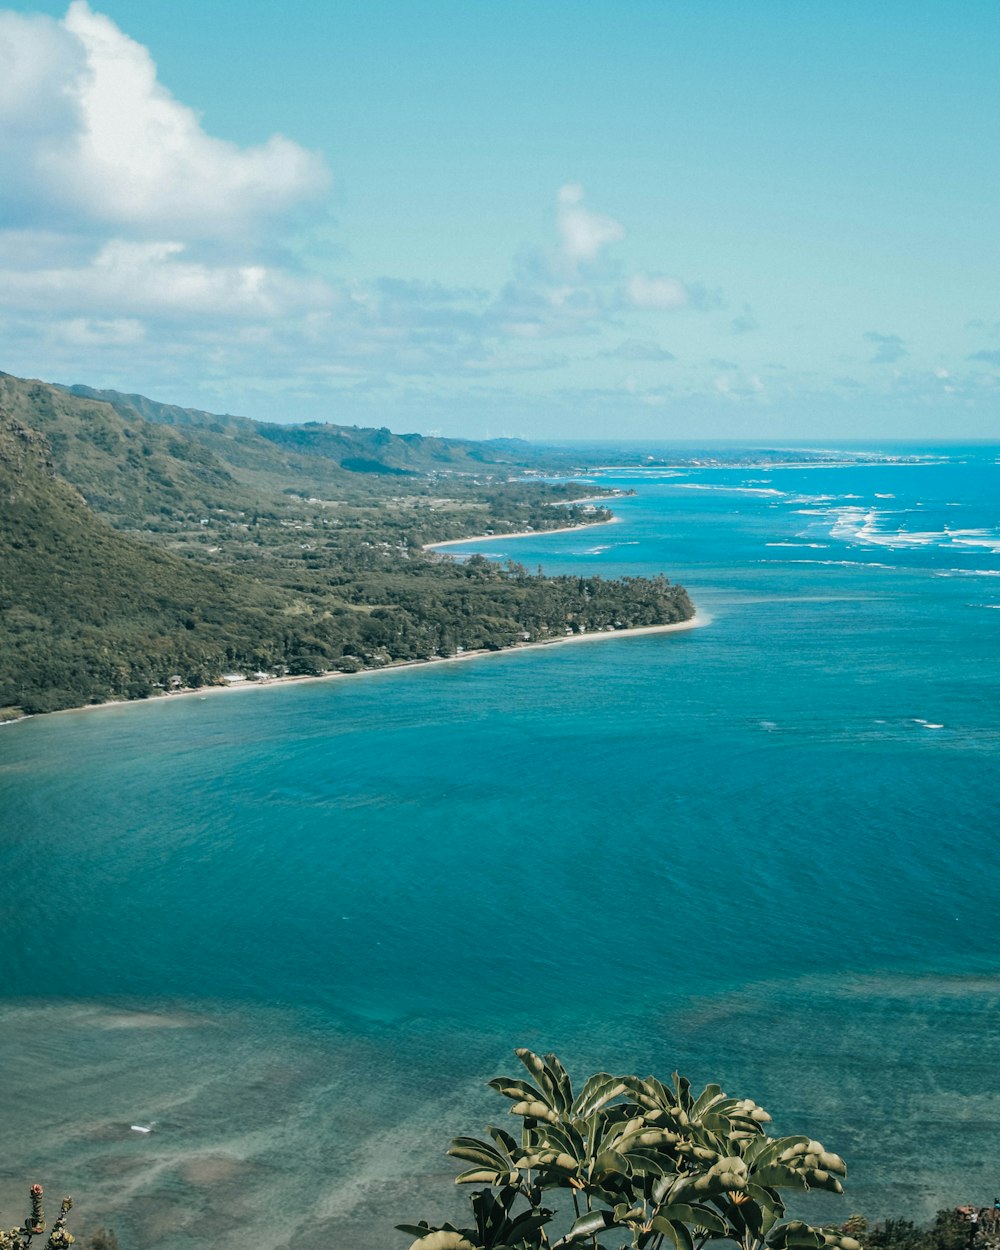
293	931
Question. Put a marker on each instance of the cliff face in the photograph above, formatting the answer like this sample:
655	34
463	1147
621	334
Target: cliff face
21	451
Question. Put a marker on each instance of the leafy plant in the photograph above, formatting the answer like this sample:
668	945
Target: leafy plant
646	1165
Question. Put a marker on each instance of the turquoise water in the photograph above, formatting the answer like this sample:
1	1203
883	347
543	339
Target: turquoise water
295	929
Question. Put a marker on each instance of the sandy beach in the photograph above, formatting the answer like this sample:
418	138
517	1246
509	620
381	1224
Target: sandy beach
486	538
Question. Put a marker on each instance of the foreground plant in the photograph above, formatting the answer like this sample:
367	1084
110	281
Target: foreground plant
34	1226
646	1165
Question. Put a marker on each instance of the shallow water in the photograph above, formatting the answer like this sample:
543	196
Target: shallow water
294	930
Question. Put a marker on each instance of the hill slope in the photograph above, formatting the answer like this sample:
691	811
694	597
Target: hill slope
87	613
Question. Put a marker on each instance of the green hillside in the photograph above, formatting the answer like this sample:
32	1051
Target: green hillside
268	456
87	613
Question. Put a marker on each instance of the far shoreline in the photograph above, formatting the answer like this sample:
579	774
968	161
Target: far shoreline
698	621
487	538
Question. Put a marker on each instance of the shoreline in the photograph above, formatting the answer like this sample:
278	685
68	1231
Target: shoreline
488	538
698	621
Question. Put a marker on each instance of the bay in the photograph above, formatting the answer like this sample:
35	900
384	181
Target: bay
293	930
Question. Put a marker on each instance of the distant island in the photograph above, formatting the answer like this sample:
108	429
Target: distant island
148	548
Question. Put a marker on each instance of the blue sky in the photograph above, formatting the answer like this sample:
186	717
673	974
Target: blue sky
553	219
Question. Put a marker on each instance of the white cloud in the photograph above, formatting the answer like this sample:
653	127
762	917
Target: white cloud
92	135
656	291
584	234
90	332
134	242
158	279
118	205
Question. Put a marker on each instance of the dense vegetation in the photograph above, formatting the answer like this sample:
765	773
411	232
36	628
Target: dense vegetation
632	1162
643	1164
144	555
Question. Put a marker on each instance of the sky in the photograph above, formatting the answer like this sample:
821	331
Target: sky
654	219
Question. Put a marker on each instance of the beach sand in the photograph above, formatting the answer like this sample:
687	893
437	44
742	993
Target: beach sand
488	538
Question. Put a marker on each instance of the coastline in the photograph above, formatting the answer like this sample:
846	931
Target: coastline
698	621
487	538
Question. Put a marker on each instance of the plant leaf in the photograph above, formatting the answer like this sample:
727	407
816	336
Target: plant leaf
585	1227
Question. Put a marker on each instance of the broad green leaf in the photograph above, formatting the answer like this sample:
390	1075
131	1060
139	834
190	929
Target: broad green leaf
476	1151
601	1088
527	1224
795	1235
586	1227
561	1137
484	1176
534	1111
502	1138
645	1162
562	1082
609	1161
512	1087
678	1233
696	1217
708	1096
541	1073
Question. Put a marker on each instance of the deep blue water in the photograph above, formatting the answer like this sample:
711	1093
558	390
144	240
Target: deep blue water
297	928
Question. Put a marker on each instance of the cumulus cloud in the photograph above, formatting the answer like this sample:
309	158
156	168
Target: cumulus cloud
988	357
134	241
118	208
565	290
158	279
888	348
94	332
94	137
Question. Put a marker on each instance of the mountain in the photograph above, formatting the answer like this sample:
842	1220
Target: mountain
135	459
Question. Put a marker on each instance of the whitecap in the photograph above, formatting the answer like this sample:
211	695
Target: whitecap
736	490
